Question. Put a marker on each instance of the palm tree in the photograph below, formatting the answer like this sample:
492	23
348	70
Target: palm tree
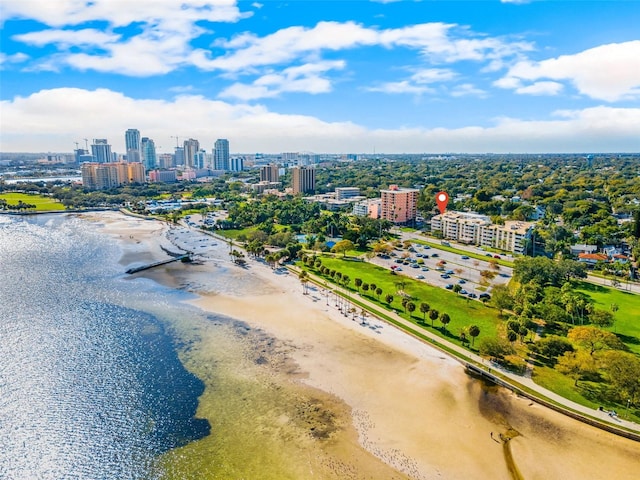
411	307
372	287
433	314
388	299
378	292
474	331
304	280
457	288
424	308
358	283
445	319
405	300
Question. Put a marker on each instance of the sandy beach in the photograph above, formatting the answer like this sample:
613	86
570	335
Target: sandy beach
385	405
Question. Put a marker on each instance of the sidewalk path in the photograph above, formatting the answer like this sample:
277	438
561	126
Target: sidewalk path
465	356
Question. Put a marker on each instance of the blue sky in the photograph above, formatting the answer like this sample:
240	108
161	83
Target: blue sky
323	76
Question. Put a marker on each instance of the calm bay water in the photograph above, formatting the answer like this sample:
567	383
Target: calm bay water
90	385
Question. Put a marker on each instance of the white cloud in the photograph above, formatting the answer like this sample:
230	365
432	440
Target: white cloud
51	120
119	13
67	38
402	87
467	89
541	88
305	78
418	83
163	44
15	58
607	72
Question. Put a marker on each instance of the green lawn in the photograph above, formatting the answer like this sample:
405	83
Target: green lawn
463	312
41	202
627	325
584	394
234	234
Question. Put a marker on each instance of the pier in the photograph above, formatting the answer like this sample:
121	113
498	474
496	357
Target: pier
183	258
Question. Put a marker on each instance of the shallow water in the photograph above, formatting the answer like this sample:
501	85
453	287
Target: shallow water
90	384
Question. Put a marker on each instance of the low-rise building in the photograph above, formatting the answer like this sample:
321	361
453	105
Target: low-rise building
476	229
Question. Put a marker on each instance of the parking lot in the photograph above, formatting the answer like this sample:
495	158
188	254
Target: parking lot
443	269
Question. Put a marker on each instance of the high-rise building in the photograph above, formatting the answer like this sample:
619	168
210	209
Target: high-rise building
191	149
236	164
221	154
303	179
101	150
132	145
179	156
269	173
99	176
149	157
399	204
201	159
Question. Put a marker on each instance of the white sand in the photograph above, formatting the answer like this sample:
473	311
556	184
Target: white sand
412	406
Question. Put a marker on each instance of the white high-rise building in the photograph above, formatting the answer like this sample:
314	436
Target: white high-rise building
236	164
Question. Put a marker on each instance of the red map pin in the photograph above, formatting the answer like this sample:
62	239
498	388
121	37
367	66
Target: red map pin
442	198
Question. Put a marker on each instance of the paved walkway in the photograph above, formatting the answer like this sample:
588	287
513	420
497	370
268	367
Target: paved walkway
510	377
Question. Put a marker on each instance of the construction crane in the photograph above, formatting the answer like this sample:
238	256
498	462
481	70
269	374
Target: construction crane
86	144
77	145
177	140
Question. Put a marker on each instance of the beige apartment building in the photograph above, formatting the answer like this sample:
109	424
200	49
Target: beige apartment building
100	176
399	204
475	229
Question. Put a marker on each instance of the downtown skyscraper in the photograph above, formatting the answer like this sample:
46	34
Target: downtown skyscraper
221	154
133	145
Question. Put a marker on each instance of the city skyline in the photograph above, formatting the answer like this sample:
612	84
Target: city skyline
331	77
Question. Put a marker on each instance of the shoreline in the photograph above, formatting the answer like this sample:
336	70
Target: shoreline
411	406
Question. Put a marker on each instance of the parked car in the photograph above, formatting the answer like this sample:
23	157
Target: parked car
464	257
426	247
463	292
444	275
485	295
450	272
472	295
488	255
462	281
497	256
449	286
415	265
420	277
425	269
435	255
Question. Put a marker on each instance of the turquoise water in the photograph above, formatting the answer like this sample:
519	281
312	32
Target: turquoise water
90	384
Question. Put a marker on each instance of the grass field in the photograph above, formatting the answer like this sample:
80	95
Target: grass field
627	325
42	203
463	311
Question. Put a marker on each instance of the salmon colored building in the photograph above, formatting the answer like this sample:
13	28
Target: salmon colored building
399	204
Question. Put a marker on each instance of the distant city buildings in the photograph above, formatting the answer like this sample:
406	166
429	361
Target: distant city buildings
163	176
236	164
221	155
101	151
133	145
399	205
269	173
149	157
100	176
191	149
303	180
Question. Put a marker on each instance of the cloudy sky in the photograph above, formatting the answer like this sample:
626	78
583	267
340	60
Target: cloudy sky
323	76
